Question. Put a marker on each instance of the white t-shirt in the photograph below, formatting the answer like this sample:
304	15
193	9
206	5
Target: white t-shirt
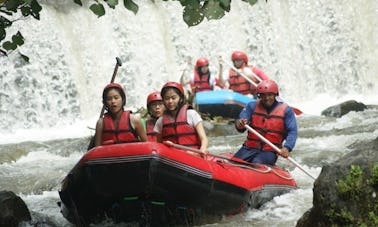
193	119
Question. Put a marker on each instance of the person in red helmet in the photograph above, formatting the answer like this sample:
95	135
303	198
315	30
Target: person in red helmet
272	119
201	80
155	108
180	123
236	81
118	125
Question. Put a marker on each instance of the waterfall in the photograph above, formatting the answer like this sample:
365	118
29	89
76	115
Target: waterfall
323	48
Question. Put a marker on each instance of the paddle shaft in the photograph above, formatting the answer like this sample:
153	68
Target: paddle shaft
245	76
232	160
118	64
182	147
249	128
296	110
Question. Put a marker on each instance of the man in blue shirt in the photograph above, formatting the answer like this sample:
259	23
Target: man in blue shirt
272	119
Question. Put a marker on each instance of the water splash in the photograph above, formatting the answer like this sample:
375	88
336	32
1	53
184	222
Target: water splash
311	49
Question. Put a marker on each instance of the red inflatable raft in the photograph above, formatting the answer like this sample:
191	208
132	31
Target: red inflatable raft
153	184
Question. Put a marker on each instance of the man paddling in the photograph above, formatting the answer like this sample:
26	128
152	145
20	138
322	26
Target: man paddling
273	119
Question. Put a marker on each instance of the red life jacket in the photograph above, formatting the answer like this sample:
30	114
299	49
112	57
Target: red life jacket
270	125
179	131
239	84
258	72
151	134
201	83
121	133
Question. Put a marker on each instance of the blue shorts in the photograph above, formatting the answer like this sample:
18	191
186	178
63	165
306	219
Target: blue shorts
256	156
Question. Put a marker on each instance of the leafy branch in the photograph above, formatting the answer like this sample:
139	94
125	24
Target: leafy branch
194	12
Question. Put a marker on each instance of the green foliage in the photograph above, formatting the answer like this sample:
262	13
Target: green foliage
78	2
97	9
251	2
4	23
342	217
213	10
17	40
10	10
194	12
373	217
130	5
112	3
352	185
358	190
31	8
374	176
142	111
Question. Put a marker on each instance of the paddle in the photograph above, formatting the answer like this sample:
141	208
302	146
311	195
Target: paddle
245	76
118	64
296	110
182	147
277	149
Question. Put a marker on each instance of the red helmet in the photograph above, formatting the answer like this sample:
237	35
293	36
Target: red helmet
113	85
202	62
267	86
154	96
239	55
116	86
172	85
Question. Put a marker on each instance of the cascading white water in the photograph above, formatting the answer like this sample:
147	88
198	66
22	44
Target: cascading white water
320	52
319	48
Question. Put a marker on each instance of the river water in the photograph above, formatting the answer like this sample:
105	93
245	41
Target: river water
320	53
34	169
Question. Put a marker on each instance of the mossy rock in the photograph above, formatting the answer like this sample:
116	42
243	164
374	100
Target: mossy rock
346	192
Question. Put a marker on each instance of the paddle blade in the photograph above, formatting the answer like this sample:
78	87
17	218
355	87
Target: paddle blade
168	143
297	111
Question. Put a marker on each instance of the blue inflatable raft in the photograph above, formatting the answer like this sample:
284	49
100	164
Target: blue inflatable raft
223	103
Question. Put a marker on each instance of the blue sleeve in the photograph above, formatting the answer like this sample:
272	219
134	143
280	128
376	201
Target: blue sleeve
291	127
246	113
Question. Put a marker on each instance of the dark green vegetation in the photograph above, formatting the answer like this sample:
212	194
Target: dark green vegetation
194	12
345	192
10	12
358	189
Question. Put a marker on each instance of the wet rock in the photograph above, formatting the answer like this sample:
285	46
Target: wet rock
13	209
346	192
343	108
